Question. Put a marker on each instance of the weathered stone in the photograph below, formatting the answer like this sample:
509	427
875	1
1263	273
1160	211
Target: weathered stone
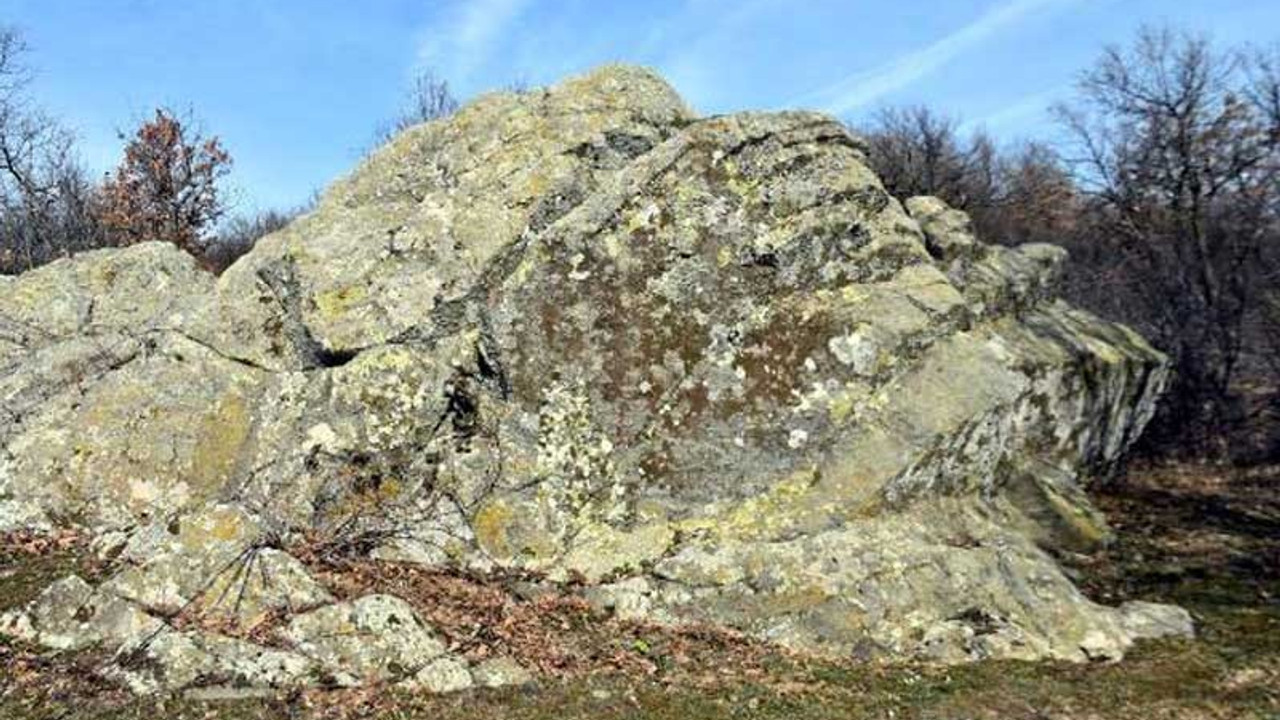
395	246
137	289
629	599
71	615
443	675
709	366
944	581
376	637
1156	620
162	431
1060	512
948	233
175	563
172	660
264	581
500	672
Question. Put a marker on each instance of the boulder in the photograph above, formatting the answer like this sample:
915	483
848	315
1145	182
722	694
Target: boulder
71	614
373	638
171	660
709	366
211	561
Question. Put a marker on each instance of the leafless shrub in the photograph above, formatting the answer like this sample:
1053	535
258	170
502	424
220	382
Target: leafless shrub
429	98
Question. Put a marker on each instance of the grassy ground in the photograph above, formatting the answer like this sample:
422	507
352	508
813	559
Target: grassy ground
1206	539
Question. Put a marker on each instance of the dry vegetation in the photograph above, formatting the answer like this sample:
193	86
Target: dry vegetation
1205	537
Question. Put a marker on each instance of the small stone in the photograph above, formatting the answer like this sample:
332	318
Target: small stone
17	624
176	561
444	675
627	599
71	615
500	672
1156	620
797	438
171	660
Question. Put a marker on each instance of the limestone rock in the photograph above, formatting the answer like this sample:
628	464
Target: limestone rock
80	442
443	675
210	562
173	564
1059	509
707	365
374	638
160	423
268	580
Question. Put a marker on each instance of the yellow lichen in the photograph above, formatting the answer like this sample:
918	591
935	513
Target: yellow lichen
219	440
226	527
334	303
760	516
602	549
490	527
725	256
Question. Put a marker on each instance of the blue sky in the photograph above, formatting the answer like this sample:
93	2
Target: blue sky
296	87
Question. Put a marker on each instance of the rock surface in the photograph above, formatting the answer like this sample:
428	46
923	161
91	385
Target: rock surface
376	637
707	365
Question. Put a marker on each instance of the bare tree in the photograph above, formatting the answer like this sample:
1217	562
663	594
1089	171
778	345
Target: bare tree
917	151
429	98
1035	198
1263	70
1179	160
48	207
1018	195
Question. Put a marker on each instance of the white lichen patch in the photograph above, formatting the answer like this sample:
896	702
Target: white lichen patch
322	437
391	389
575	458
858	350
576	272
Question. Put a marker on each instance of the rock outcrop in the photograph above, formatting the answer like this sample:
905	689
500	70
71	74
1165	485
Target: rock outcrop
706	365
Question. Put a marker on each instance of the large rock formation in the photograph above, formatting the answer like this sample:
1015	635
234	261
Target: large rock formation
709	366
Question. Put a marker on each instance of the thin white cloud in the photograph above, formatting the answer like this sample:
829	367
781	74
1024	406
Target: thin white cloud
466	38
1017	114
863	88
